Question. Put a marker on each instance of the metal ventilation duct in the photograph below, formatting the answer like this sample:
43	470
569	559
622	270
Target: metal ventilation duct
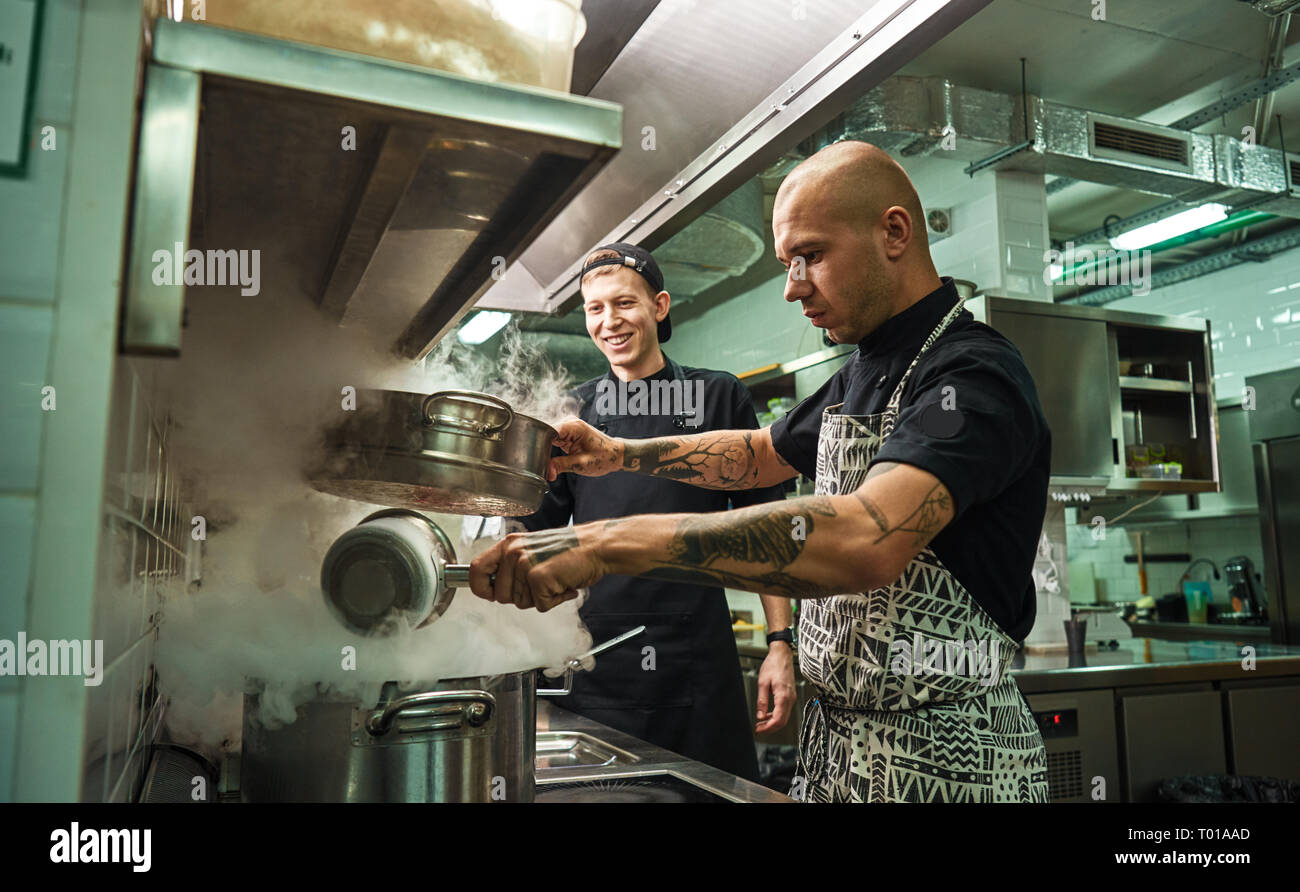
1275	7
924	116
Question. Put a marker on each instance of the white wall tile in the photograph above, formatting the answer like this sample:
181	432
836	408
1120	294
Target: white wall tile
86	213
17	530
24	361
8	729
30	224
56	76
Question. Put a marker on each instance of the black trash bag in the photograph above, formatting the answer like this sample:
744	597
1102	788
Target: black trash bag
1227	788
777	765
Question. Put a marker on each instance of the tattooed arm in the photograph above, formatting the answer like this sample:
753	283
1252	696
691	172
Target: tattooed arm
728	460
809	547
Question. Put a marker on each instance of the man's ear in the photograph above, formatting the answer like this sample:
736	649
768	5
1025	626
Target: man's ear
662	301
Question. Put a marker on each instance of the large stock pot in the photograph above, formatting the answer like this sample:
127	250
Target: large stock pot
457	740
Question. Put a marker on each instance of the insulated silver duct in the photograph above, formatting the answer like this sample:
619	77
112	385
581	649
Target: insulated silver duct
932	116
1275	7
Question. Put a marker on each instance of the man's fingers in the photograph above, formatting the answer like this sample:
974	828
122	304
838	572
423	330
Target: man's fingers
503	589
562	464
784	700
481	570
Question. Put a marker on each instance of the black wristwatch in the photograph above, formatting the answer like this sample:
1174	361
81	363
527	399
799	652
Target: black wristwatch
786	635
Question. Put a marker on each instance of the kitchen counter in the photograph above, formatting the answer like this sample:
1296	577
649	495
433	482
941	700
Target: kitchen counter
1178	631
613	766
1146	661
1139	661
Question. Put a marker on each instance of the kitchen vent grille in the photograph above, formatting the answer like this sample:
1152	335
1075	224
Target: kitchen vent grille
1126	142
1064	776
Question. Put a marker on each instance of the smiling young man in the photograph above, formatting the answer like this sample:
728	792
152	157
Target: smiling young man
679	684
931	457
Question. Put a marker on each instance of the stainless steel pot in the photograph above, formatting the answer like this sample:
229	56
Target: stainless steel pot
454	451
395	565
459	740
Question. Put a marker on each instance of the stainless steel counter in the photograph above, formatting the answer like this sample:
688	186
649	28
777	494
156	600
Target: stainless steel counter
1146	661
611	765
1141	661
1176	631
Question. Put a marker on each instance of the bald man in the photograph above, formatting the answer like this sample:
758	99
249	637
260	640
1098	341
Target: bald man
912	561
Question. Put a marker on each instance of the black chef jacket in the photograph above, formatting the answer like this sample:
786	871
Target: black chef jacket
992	453
693	700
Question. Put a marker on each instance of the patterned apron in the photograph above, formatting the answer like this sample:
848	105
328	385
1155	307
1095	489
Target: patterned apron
914	697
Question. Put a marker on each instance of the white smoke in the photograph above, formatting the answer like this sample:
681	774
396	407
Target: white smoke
257	381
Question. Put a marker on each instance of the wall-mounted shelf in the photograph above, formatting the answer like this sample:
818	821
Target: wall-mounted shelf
1106	425
1153	385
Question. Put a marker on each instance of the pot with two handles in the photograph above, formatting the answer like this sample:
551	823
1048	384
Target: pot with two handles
458	740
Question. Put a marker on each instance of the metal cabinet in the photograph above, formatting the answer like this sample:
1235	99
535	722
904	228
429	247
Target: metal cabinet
1068	359
1078	730
1125	395
1264	724
1170	735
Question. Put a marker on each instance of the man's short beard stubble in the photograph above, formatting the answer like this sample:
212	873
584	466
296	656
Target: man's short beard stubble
871	309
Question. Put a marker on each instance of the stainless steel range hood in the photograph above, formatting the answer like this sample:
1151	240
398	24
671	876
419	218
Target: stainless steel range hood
389	194
712	98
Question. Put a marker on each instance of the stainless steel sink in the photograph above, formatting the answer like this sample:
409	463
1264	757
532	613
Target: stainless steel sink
580	760
659	786
573	749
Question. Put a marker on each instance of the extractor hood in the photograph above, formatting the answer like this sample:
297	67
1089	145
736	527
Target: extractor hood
713	96
389	194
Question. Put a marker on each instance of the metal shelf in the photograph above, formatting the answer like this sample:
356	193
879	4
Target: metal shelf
1154	385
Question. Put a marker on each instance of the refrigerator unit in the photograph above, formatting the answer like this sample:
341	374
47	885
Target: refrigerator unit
1274	403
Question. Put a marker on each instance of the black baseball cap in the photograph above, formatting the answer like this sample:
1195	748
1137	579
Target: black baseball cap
640	261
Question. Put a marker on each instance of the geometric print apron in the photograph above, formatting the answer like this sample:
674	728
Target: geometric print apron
914	701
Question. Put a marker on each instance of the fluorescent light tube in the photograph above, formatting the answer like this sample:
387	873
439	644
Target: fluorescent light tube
484	325
1170	227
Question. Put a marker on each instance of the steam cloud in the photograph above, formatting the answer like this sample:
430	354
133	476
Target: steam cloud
258	380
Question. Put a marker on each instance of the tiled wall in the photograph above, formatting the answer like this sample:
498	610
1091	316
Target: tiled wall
29	255
1216	539
750	330
61	231
999	226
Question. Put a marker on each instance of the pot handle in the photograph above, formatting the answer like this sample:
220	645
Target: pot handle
480	709
482	430
575	663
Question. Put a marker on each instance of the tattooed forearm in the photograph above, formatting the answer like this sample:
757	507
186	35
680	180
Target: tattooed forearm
723	460
927	519
758	545
764	534
546	544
